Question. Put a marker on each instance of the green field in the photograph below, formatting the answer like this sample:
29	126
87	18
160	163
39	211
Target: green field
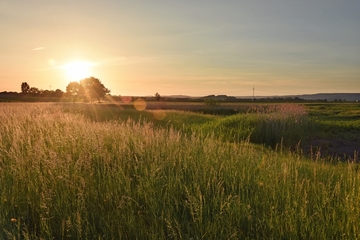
109	171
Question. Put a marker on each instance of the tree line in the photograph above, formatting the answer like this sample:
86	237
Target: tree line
34	91
87	89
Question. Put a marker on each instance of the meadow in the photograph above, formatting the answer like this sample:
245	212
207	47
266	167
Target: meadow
110	171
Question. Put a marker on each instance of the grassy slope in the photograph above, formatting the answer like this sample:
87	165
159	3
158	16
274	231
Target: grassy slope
65	176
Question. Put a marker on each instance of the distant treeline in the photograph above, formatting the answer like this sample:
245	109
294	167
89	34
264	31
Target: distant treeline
58	95
40	96
212	99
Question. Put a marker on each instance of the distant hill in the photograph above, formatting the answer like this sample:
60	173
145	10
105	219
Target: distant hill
331	96
318	96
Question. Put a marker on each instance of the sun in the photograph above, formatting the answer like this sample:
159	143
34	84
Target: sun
77	70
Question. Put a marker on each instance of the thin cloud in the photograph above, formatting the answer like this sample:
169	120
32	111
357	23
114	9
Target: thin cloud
119	60
38	49
122	60
310	61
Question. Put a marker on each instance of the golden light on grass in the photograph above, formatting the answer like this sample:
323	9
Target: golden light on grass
140	104
65	153
77	70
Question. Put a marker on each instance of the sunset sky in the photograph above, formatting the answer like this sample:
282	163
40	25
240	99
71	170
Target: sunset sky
195	48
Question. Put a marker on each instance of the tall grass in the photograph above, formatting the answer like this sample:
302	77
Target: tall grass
270	125
64	176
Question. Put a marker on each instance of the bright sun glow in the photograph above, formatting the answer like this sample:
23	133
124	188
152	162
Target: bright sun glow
77	70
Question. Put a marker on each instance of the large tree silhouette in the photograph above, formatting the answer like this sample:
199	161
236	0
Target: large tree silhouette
25	87
89	88
93	88
73	90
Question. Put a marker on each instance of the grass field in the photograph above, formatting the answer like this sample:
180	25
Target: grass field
104	171
337	128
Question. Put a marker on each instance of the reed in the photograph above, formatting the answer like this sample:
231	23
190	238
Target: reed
275	125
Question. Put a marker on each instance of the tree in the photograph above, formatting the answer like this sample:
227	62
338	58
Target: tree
93	88
25	87
157	97
73	90
34	90
58	93
45	93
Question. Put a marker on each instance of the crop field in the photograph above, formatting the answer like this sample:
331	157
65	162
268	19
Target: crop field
179	171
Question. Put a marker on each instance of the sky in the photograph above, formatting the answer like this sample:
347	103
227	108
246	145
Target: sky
194	48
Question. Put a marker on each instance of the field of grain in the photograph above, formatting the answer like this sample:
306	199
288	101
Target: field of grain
92	171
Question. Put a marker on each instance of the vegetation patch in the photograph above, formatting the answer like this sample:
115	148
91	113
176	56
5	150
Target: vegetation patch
66	173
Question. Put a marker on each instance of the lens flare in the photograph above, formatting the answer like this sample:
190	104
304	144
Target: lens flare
159	114
140	104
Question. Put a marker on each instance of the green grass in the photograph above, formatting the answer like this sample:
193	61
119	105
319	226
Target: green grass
270	125
69	173
336	120
271	129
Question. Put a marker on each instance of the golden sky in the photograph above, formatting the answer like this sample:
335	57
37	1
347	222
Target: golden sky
185	47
